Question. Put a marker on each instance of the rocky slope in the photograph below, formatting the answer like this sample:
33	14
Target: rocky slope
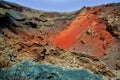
88	38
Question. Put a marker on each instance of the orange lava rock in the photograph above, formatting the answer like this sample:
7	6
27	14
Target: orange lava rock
87	33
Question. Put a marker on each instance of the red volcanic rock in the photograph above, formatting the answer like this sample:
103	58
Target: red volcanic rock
87	33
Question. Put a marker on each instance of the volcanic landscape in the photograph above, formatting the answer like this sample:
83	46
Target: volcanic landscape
41	45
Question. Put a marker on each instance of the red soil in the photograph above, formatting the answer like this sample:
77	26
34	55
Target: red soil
87	30
33	38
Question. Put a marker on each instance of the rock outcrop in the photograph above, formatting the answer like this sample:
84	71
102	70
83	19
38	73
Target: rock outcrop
87	38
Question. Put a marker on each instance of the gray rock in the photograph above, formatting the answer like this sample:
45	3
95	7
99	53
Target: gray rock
15	15
42	18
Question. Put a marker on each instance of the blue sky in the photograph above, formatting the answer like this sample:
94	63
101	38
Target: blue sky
61	5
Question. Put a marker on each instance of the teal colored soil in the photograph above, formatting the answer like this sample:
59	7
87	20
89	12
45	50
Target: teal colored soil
28	70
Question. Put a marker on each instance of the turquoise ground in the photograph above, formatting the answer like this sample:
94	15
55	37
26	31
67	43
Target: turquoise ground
28	70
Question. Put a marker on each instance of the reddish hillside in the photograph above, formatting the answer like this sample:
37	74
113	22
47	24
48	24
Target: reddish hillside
87	33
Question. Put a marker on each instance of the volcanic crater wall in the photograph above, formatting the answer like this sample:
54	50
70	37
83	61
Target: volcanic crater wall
87	32
44	37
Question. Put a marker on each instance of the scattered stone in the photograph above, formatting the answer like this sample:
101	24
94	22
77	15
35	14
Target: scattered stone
118	65
31	24
42	18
